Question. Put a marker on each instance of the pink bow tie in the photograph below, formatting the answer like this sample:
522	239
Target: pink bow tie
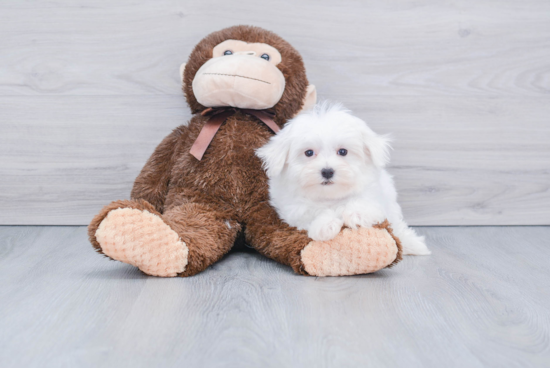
217	116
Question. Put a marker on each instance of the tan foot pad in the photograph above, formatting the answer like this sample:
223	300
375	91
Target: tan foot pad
352	252
142	239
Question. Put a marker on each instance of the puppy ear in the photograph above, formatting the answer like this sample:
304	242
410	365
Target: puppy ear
377	147
275	153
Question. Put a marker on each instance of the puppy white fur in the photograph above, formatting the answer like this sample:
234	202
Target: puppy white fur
326	170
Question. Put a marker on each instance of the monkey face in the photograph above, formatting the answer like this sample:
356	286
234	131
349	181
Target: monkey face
242	75
247	67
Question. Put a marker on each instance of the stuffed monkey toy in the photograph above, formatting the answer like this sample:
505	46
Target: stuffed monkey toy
203	185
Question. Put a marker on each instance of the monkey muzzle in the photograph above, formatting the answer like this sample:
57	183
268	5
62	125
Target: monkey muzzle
242	81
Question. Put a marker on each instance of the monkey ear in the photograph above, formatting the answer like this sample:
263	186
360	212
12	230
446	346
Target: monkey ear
182	68
310	99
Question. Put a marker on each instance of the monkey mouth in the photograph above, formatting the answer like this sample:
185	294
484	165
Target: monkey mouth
236	75
327	182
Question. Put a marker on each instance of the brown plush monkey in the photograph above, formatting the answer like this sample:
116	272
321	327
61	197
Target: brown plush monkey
203	185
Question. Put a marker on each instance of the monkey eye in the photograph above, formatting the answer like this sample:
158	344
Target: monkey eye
228	52
342	151
309	153
265	57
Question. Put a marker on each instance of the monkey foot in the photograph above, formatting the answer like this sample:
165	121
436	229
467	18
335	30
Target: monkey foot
352	252
142	239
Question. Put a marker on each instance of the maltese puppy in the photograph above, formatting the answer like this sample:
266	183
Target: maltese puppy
326	170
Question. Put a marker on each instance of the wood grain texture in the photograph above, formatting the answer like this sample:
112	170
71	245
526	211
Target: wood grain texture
62	166
376	47
87	90
481	300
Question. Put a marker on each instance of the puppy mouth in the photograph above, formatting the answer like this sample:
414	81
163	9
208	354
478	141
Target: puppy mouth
327	182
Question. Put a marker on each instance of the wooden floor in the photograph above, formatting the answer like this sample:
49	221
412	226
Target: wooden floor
481	299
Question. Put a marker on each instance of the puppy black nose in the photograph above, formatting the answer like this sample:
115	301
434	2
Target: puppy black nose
327	173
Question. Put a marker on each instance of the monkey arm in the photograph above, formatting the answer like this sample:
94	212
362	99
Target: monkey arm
152	183
351	252
275	239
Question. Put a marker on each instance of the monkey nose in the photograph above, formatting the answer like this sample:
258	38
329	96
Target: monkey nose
327	173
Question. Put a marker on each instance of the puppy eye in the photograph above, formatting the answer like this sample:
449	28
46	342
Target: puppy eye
342	151
265	57
309	153
228	52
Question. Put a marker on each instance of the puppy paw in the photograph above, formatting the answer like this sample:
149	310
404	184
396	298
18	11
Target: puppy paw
352	219
325	228
363	218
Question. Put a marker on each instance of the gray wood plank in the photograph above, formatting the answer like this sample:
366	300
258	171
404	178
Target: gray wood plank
404	48
64	157
481	300
87	89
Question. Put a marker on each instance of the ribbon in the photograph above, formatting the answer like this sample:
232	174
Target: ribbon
217	117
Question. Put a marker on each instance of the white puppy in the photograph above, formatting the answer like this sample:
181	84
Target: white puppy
326	170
